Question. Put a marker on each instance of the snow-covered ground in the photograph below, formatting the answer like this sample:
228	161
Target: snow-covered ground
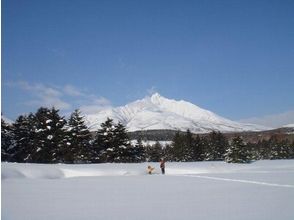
262	190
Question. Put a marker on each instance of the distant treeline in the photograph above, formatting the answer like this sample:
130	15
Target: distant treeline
46	137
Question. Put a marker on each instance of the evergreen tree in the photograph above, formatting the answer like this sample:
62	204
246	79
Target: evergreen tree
7	141
123	151
188	146
24	136
237	152
79	150
104	142
279	150
154	153
198	149
51	136
139	151
178	147
112	143
216	146
291	150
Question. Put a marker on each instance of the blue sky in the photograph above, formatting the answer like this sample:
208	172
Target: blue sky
235	58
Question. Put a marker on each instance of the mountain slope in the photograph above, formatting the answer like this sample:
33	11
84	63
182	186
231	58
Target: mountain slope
157	112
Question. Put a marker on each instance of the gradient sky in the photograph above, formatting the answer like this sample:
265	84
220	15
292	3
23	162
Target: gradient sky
235	58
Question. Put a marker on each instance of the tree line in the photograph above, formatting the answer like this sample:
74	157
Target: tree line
47	137
216	147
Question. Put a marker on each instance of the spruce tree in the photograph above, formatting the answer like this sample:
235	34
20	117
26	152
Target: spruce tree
79	150
104	142
123	151
279	150
154	153
24	136
198	149
237	152
188	146
7	141
51	137
178	147
139	151
216	146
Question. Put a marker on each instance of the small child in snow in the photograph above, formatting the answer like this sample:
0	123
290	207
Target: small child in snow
150	169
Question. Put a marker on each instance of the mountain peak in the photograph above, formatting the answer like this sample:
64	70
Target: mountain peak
155	95
157	112
156	98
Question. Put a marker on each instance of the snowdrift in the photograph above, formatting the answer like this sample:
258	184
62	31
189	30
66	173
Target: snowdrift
59	171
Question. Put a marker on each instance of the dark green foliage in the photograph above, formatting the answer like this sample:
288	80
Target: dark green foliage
139	152
24	136
45	137
7	141
104	142
199	146
216	147
51	137
154	153
79	148
177	147
112	144
279	150
237	152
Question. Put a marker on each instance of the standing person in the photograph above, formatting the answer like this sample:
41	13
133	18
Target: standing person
162	166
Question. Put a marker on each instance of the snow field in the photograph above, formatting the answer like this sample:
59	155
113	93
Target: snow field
200	190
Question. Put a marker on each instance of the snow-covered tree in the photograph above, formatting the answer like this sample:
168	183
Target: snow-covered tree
7	141
139	151
104	142
177	147
154	153
188	146
24	136
237	152
112	143
279	149
51	138
198	148
78	149
123	151
216	147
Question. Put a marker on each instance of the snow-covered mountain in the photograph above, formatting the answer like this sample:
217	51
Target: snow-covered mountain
157	112
288	126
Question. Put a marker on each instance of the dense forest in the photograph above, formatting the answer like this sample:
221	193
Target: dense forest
47	137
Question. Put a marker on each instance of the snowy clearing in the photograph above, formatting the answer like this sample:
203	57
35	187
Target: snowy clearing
199	190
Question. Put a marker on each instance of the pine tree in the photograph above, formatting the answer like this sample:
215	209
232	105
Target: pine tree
123	151
51	136
237	152
216	146
139	151
7	141
24	136
279	150
104	142
188	146
154	153
79	150
178	147
112	144
198	149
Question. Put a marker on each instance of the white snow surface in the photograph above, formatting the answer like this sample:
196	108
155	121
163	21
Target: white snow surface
262	190
158	112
